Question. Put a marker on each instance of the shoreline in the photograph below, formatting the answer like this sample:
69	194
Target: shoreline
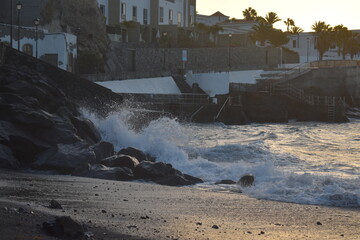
133	210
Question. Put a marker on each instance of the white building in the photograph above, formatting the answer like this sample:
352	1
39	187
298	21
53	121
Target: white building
58	49
213	19
149	12
305	45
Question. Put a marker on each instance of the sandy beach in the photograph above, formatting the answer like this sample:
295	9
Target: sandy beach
132	210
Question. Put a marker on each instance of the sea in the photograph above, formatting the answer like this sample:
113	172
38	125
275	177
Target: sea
299	162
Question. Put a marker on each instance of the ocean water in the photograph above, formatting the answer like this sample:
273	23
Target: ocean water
300	162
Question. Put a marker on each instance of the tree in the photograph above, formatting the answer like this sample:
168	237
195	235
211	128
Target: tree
214	30
250	14
272	18
289	22
323	32
278	38
296	30
261	32
341	35
352	45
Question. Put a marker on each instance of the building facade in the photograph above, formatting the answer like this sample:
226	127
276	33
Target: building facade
58	49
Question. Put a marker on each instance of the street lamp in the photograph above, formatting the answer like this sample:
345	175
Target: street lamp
230	36
36	22
18	7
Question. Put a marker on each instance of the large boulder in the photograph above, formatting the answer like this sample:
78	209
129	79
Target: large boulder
7	159
120	160
164	174
86	130
136	153
64	227
110	173
66	158
103	150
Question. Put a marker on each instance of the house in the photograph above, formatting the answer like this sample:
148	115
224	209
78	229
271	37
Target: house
211	20
305	45
58	49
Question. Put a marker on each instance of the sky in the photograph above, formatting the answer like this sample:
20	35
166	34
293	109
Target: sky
303	12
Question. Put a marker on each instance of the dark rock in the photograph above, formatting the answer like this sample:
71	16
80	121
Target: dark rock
55	204
247	180
215	227
174	180
151	170
86	130
318	223
103	150
193	179
65	158
116	173
120	161
7	159
64	227
226	181
136	153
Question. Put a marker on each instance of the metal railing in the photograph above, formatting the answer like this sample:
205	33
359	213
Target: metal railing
186	98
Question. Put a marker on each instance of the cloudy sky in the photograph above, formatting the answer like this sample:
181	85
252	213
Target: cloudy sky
303	12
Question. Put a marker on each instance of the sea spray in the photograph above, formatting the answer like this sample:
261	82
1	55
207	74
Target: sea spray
280	156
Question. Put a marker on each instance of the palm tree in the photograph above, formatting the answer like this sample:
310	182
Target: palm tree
261	32
289	22
271	18
323	40
278	38
250	14
352	45
296	30
341	35
214	30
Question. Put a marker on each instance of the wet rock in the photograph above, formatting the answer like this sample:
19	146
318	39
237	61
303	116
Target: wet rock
193	179
55	204
64	227
174	180
65	158
116	173
103	150
246	180
120	161
86	130
7	159
226	181
136	153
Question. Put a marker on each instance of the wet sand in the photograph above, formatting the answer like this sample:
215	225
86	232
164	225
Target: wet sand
132	210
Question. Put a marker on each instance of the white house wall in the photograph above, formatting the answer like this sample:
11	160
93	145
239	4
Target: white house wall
140	5
105	3
177	7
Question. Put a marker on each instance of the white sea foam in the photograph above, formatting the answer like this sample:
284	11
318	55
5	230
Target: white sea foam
211	153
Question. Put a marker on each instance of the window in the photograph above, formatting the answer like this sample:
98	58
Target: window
161	14
171	17
145	16
102	9
123	11
134	13
28	49
179	19
294	43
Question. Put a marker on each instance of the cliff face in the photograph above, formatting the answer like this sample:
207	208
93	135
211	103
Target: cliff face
84	19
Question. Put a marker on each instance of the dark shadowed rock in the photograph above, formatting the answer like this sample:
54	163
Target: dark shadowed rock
246	180
103	150
120	161
226	181
55	204
7	159
64	227
65	158
193	179
174	180
136	153
86	130
110	173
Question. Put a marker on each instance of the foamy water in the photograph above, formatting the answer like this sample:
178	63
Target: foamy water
309	163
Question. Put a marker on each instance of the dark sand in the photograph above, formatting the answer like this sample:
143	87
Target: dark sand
129	210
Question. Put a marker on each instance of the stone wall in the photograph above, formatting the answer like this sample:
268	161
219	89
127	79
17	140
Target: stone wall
159	60
338	81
